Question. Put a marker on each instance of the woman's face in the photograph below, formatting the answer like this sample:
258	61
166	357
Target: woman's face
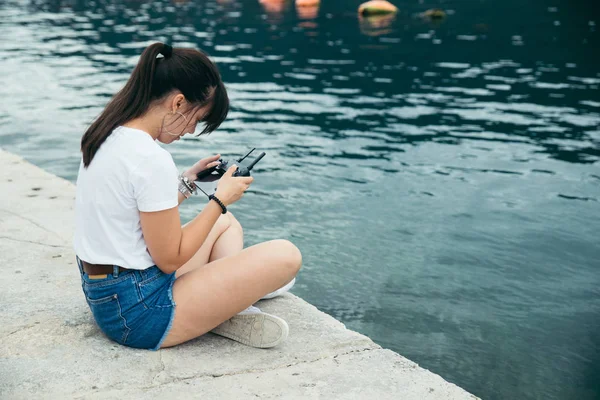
179	124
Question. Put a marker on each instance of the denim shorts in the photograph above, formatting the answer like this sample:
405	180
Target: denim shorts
134	308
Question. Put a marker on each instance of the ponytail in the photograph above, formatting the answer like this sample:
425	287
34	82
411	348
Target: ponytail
130	102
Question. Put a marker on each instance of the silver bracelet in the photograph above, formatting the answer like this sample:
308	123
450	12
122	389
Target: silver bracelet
186	187
184	190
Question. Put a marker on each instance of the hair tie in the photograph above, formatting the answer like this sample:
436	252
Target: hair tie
166	51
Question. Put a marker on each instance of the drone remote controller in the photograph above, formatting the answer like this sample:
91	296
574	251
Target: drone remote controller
216	172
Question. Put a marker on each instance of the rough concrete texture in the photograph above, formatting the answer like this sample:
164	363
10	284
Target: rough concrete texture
51	347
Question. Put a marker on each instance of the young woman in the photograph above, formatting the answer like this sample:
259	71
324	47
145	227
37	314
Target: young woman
150	282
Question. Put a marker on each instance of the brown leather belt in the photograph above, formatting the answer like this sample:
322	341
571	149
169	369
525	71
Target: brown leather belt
99	269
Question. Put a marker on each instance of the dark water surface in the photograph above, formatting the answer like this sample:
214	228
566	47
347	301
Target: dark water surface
442	179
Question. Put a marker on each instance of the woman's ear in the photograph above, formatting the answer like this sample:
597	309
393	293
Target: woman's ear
177	102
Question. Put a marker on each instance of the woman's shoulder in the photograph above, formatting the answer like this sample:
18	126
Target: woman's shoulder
140	147
153	158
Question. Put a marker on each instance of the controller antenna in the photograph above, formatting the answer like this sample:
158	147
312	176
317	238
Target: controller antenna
260	156
242	159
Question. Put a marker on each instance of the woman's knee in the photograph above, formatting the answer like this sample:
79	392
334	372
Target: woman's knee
290	256
223	223
233	221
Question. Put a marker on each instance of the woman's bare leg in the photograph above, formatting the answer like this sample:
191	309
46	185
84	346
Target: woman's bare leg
210	295
230	242
226	238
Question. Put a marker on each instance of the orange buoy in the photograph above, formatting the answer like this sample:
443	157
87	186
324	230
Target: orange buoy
376	25
308	9
273	6
307	3
434	13
377	7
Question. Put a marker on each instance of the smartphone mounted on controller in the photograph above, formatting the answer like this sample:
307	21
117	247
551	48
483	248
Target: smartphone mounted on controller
207	180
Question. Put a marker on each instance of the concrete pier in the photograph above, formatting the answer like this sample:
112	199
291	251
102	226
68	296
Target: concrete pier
51	347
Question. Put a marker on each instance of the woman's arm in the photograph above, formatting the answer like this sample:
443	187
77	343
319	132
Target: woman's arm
191	177
180	197
192	173
172	245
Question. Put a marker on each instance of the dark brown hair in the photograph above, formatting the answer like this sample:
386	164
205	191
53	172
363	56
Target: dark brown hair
187	70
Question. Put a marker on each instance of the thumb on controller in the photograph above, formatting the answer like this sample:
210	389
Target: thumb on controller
231	170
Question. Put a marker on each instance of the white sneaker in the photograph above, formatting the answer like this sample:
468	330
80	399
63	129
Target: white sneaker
250	310
254	328
280	291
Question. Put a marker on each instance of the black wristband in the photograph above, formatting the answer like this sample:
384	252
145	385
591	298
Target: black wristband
215	198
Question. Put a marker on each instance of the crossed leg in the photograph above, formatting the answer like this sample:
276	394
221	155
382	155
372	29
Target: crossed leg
222	279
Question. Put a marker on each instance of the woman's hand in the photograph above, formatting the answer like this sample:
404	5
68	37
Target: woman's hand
231	188
201	165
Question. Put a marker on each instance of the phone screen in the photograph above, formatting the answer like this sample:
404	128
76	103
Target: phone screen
208	183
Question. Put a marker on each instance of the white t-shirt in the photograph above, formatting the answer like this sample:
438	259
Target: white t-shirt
129	173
